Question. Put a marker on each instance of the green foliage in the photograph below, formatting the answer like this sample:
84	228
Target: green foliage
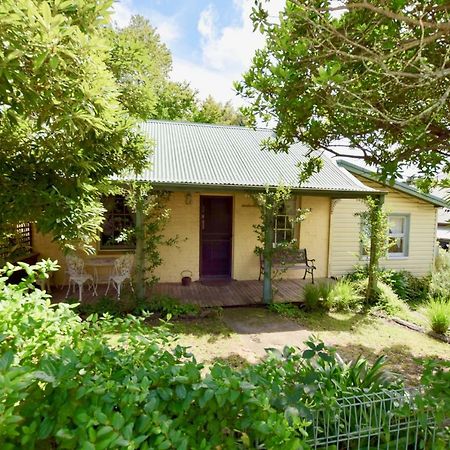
211	111
317	296
440	277
374	231
369	74
168	306
64	131
385	298
435	397
344	296
438	313
289	310
140	63
269	203
407	287
108	383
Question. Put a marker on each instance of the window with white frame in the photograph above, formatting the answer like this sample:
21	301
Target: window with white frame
284	226
398	235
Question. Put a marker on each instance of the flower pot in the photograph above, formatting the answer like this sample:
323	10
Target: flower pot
186	278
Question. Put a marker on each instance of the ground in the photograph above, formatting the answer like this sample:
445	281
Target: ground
241	335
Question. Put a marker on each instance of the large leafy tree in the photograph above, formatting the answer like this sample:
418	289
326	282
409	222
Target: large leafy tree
63	128
212	111
368	79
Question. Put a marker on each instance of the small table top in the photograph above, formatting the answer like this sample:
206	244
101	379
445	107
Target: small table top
99	262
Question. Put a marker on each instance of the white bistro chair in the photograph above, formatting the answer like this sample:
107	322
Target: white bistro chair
78	276
123	268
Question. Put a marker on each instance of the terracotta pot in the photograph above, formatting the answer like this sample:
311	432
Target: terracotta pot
186	278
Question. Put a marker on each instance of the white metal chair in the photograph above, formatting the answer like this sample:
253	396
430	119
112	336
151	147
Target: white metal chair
78	276
123	267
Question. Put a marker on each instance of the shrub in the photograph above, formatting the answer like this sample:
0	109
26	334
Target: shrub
403	283
285	309
344	296
167	306
440	283
388	300
316	296
438	313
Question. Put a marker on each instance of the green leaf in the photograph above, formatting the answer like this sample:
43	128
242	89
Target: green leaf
39	61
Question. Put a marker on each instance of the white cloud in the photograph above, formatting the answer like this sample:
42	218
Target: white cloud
167	26
226	52
206	21
206	81
122	10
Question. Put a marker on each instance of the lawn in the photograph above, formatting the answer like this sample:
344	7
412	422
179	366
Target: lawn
241	335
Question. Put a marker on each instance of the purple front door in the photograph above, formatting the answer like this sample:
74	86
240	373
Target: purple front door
216	224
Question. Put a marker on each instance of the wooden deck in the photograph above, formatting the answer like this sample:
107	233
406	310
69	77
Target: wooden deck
233	293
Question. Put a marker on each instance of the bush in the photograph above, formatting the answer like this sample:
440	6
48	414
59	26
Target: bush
387	300
160	304
405	285
112	382
440	283
344	296
285	309
167	306
316	296
438	313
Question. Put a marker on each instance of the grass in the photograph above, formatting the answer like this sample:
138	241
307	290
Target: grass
438	313
352	334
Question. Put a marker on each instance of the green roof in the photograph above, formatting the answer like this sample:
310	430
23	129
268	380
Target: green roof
230	157
398	185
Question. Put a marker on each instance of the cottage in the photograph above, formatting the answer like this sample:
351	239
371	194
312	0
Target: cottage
210	172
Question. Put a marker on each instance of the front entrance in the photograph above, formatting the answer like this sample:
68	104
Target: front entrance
216	225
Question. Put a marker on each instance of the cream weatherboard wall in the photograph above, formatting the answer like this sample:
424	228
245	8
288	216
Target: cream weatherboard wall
345	231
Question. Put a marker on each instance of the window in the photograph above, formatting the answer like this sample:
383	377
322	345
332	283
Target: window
119	225
398	235
284	227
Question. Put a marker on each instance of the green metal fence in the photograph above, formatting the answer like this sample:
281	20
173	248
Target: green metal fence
386	420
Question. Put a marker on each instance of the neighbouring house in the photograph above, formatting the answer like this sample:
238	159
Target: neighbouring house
443	226
210	172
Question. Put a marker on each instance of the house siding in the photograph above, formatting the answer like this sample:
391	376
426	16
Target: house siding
345	231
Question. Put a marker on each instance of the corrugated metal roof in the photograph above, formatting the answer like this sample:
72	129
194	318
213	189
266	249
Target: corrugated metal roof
398	185
231	156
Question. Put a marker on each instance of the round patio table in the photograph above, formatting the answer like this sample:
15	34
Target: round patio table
97	263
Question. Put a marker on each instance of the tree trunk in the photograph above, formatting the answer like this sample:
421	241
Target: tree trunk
374	256
140	254
267	255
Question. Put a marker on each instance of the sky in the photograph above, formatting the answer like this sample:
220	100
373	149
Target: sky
212	42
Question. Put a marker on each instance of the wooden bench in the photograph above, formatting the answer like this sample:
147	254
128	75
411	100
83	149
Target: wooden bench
284	259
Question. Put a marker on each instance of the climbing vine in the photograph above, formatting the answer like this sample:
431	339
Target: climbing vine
374	241
270	202
152	216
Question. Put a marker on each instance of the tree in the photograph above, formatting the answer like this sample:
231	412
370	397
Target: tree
140	63
63	129
211	111
368	79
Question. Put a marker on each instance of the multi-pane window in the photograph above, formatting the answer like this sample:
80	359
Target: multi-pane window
119	225
398	235
284	226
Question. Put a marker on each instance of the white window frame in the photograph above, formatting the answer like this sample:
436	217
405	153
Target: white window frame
404	236
289	225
